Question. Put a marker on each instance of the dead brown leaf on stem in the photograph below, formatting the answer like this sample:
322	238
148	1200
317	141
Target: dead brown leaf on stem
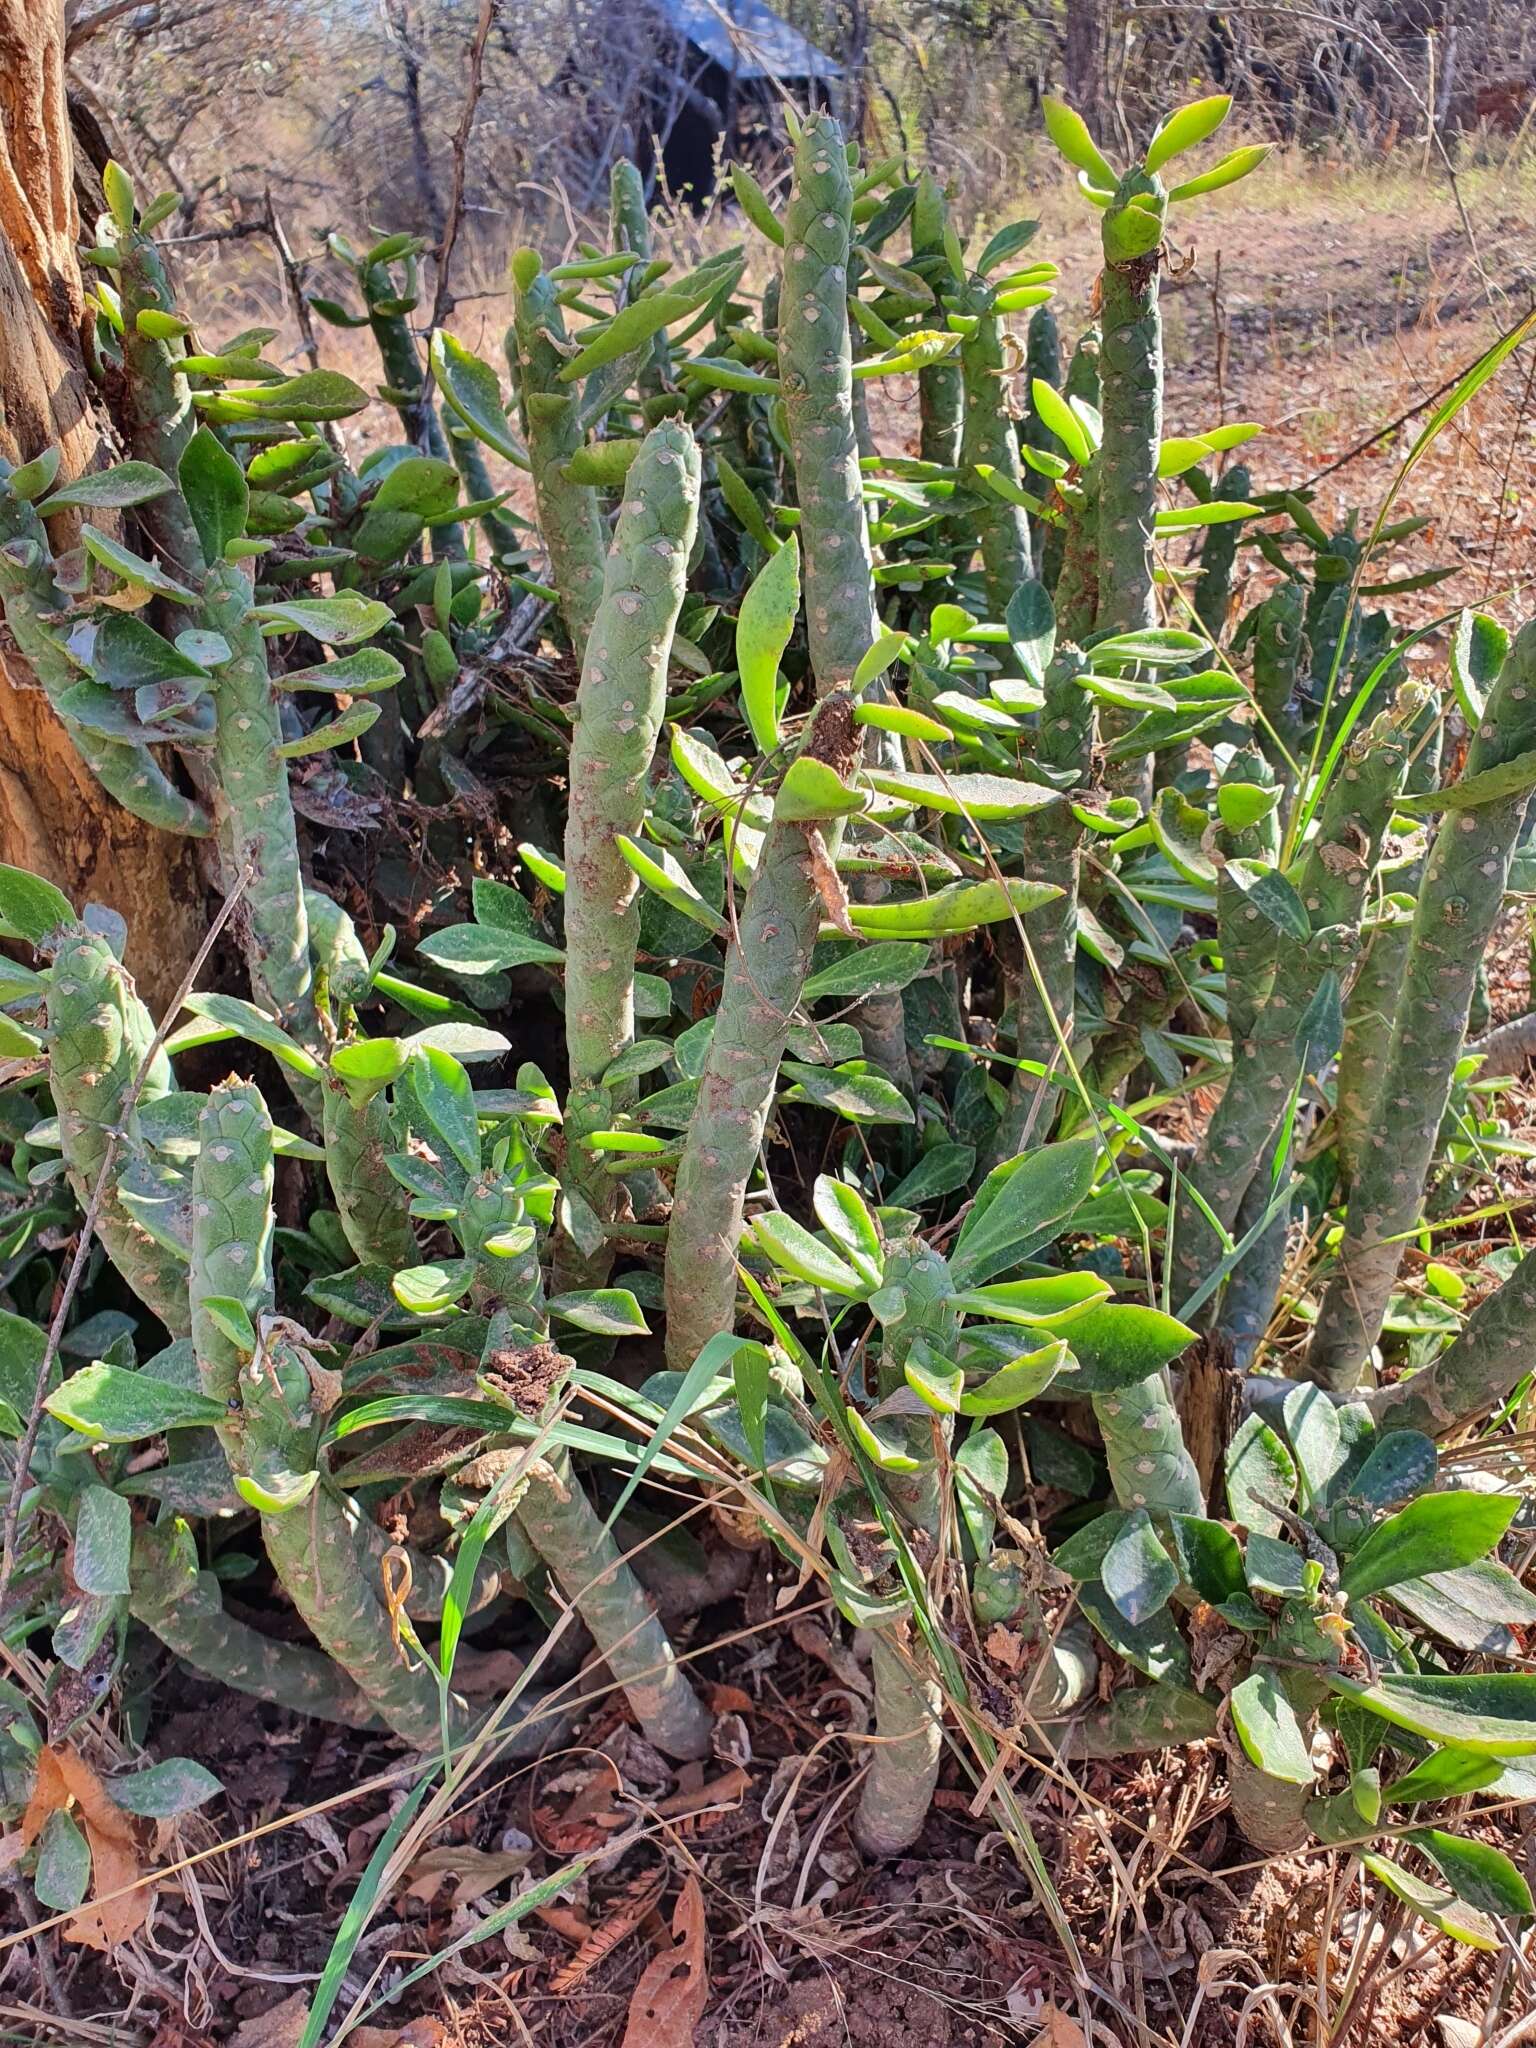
63	1776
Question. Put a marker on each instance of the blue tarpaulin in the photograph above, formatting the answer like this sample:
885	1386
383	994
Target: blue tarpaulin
747	39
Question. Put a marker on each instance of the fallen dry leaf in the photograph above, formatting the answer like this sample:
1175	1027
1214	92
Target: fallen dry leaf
728	1699
478	1871
1058	2029
481	1673
278	2027
726	1790
283	2025
669	1999
1005	1647
64	1775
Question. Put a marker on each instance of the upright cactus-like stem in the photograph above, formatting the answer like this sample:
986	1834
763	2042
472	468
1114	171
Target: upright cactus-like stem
1271	1813
570	517
767	964
1075	535
32	601
619	710
904	1764
231	1243
1131	374
1218	559
1368	1016
270	1438
157	415
255	810
1269	1060
1084	377
629	227
1069	553
1254	1284
567	1532
765	970
401	358
940	384
1279	652
1475	1373
1459	903
816	370
1042	360
909	1701
1052	838
988	437
360	1129
98	1036
1373	996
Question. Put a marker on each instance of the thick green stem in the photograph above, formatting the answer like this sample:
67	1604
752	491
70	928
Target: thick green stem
313	1549
570	515
619	711
816	370
988	437
1279	648
98	1035
31	601
1271	1813
1278	1047
767	963
401	359
271	1436
360	1130
1077	603
629	227
909	1701
1075	584
940	384
909	1745
1459	904
1144	1444
156	412
561	1524
765	970
254	808
1254	1284
184	1608
1042	363
1131	374
1052	839
1218	558
1480	1369
1367	1040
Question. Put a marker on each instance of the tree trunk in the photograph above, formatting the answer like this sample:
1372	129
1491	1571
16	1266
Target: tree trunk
55	818
1083	59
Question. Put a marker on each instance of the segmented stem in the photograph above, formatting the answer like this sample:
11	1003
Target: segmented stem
253	807
570	515
1459	904
1052	839
619	710
31	601
1131	379
98	1035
